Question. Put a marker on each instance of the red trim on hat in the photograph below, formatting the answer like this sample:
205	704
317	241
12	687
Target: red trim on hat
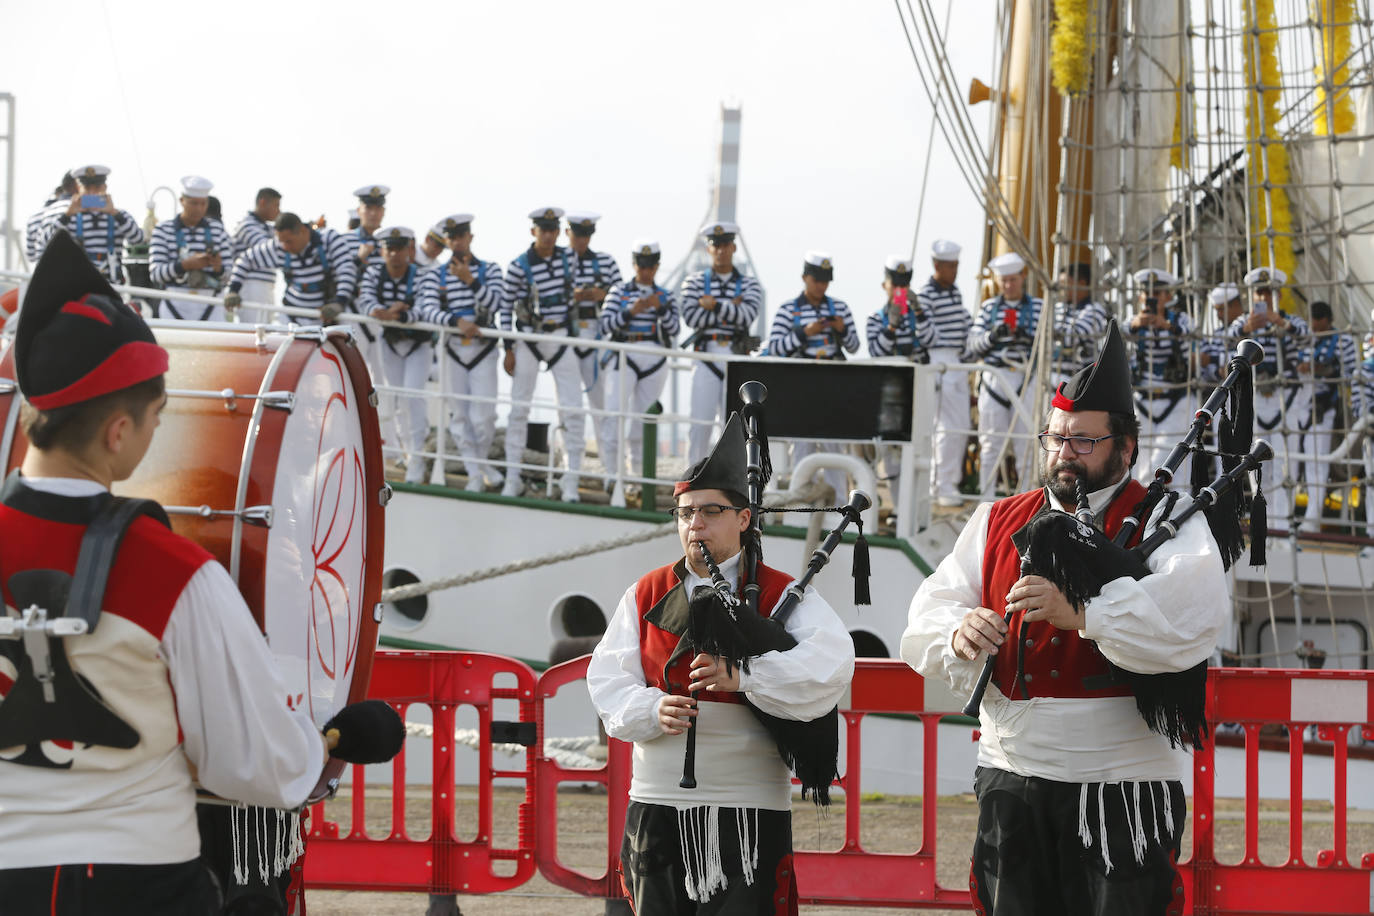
86	311
1060	401
132	363
682	486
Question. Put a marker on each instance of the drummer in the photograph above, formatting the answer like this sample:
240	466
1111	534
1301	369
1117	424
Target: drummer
175	678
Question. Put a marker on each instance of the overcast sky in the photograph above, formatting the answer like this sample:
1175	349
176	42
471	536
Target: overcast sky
498	107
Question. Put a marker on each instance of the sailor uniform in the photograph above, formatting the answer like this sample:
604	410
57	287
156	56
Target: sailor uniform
738	300
257	283
470	368
405	356
36	229
950	322
325	272
639	376
1162	360
743	789
1282	406
102	235
788	337
174	241
595	269
1078	332
905	333
537	297
1079	801
1334	364
992	341
356	239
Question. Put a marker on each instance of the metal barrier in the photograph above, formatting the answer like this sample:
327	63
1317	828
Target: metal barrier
1332	701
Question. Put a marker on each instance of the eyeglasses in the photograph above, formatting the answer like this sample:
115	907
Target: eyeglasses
709	511
1082	445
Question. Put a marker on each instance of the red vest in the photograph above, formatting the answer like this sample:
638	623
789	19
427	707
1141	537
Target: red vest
1056	661
662	606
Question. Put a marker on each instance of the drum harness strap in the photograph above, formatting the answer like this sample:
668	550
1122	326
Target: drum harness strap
48	701
181	247
316	241
534	315
476	314
108	255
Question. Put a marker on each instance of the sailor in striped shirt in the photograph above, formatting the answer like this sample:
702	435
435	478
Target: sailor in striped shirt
100	229
1331	363
596	272
1282	406
537	297
939	298
254	229
54	206
366	252
1080	323
191	254
318	268
720	305
815	326
432	247
900	328
390	292
464	293
1001	337
637	311
1161	332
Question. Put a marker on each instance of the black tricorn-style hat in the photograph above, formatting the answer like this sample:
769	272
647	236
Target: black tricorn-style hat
1104	384
725	468
77	339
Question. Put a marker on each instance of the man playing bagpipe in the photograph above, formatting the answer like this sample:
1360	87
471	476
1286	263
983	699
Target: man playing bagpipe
725	845
130	667
1080	805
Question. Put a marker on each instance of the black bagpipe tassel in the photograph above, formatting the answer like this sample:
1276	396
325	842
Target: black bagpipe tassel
861	568
1202	469
1259	527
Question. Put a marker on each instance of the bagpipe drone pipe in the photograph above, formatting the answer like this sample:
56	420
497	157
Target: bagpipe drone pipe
736	630
1076	557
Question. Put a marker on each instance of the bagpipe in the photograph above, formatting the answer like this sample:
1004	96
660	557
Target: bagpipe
1079	559
735	629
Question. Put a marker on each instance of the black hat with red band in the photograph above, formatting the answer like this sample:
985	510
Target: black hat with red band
77	339
1104	384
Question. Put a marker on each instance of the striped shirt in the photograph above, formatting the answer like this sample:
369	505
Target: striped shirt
102	236
1078	333
378	289
356	239
598	269
307	275
445	298
1013	349
950	319
788	337
1282	348
173	241
654	325
738	300
911	335
1361	391
35	230
546	310
253	230
1333	359
1217	346
1162	354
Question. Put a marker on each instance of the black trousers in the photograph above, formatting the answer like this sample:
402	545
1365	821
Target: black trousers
257	897
1029	858
655	880
182	889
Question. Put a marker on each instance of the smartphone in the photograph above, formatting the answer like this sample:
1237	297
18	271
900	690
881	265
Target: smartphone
1009	318
899	298
1261	306
92	201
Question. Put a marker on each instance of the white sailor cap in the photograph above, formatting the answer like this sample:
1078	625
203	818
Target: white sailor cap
720	231
394	236
546	217
1005	265
818	264
898	264
1155	277
453	224
582	222
645	250
944	250
1270	277
1220	295
196	186
372	194
90	174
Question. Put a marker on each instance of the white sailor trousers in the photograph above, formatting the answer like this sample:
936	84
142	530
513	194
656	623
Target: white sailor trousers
404	368
567	379
472	423
952	424
594	386
999	427
638	393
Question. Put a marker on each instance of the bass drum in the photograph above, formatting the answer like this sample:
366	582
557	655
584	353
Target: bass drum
269	456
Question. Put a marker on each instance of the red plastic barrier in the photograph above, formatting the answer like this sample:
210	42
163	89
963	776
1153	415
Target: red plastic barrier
1334	701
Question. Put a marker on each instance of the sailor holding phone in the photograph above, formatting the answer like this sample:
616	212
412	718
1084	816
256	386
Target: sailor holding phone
98	227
